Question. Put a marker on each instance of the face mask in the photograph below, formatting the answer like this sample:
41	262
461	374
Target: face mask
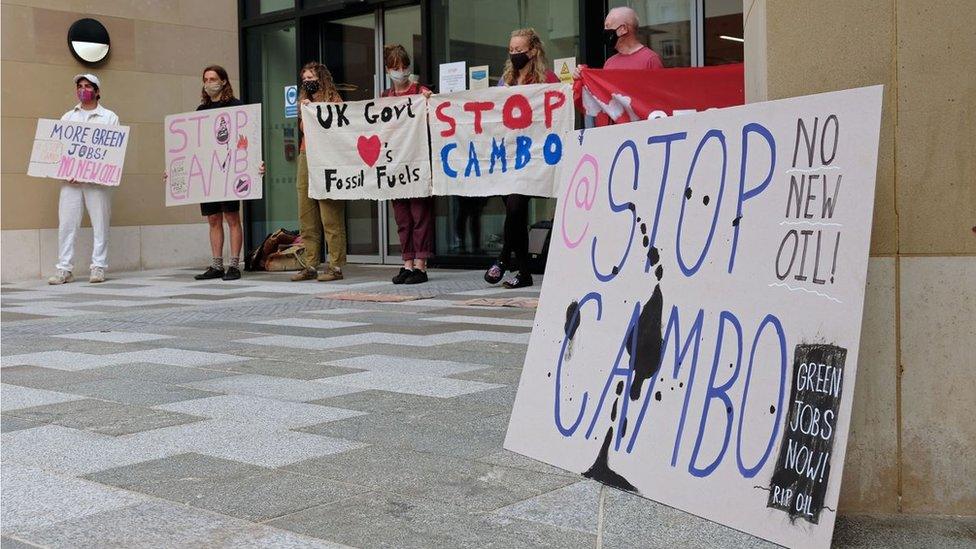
399	76
310	86
610	38
213	88
519	60
85	95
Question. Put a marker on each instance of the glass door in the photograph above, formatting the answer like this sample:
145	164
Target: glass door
349	49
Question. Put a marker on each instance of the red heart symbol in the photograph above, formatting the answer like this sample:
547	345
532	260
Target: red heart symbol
369	149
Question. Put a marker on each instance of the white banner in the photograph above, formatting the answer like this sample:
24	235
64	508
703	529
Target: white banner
373	149
87	153
499	141
213	155
699	344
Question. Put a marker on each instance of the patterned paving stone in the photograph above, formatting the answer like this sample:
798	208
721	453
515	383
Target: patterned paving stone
407	366
13	397
62	360
74	452
136	391
227	487
9	424
115	337
573	507
481	320
49	378
160	373
273	387
380	337
415	385
99	416
250	443
289	369
319	323
34	499
251	410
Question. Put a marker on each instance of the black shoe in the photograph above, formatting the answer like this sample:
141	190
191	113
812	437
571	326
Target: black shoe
402	276
210	273
416	277
495	273
520	280
233	273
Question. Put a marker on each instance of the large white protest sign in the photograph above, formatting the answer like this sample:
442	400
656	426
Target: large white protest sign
698	342
373	149
87	153
213	155
499	141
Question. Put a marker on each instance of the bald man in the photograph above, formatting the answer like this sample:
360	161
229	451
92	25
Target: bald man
620	33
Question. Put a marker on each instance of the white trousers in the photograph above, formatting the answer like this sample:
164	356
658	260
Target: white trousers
71	208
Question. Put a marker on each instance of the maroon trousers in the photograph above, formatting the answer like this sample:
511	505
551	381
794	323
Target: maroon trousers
415	227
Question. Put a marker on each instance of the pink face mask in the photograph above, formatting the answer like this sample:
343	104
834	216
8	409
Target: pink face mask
86	95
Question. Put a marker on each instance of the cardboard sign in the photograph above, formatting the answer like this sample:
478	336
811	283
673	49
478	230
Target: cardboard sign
699	345
87	153
499	141
213	155
373	149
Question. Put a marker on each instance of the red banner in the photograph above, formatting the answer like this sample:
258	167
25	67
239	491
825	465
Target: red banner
629	95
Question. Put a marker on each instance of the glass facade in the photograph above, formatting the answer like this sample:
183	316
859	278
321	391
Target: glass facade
278	36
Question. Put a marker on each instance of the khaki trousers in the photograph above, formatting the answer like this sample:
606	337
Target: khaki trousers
313	216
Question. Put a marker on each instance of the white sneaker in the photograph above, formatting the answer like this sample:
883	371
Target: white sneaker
63	277
97	275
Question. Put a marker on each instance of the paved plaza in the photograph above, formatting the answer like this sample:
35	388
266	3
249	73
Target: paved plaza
157	411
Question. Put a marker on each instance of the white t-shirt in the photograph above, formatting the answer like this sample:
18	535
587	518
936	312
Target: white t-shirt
98	115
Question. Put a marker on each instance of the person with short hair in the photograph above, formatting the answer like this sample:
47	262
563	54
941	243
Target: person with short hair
620	34
414	216
76	197
315	215
526	64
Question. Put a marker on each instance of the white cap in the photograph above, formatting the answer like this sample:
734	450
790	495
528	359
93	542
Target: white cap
89	77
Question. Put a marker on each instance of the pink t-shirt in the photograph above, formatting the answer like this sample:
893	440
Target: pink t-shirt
644	58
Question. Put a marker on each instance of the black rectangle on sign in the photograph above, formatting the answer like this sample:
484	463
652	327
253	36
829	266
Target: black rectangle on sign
799	481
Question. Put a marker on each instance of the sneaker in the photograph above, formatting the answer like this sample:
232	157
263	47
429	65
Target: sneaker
402	276
210	273
233	273
495	273
416	277
519	280
330	274
63	277
97	275
304	274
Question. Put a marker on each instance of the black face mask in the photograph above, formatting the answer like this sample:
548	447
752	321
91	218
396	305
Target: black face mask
610	38
519	60
310	86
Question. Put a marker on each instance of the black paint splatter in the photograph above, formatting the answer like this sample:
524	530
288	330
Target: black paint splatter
613	411
643	228
653	255
647	347
659	272
600	471
646	241
620	387
657	395
772	409
735	222
572	320
687	192
705	200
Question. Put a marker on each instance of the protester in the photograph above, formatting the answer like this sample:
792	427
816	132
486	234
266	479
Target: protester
414	216
218	93
526	64
620	35
314	215
76	197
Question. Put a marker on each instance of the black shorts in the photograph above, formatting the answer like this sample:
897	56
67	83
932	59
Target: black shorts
210	208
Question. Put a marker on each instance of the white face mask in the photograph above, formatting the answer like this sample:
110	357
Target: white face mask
400	76
213	88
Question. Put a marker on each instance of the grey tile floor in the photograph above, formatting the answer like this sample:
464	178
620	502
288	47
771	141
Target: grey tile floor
157	411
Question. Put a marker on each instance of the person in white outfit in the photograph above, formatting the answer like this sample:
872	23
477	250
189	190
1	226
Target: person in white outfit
75	196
